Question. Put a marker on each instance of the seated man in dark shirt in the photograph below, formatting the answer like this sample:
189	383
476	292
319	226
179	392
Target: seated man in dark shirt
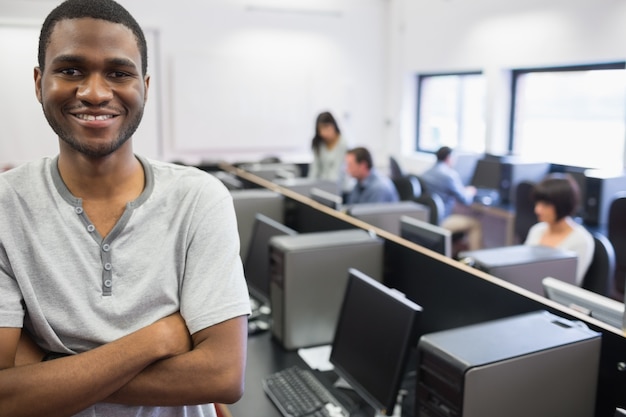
371	186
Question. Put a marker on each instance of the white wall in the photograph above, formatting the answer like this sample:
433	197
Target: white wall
240	79
495	36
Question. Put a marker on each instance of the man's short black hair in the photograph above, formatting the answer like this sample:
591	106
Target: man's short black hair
107	10
443	153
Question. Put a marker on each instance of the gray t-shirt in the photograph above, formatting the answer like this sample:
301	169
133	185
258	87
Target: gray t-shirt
175	248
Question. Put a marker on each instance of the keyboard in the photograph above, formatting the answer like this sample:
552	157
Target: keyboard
297	392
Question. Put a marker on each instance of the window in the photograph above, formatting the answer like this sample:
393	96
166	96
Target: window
451	112
570	115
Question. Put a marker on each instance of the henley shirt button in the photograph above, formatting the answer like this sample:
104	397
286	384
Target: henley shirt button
108	283
91	228
107	266
78	210
106	247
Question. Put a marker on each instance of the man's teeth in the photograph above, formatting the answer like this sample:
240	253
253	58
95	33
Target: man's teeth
91	117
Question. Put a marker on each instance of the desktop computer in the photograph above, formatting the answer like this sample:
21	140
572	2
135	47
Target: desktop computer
309	273
524	265
502	174
303	185
535	364
600	188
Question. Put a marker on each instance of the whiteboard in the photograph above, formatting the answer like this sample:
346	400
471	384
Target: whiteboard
26	134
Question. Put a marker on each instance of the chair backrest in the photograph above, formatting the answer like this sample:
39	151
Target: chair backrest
435	204
408	187
394	168
525	215
616	232
599	276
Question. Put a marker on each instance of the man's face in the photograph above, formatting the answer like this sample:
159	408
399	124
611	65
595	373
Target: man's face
353	168
92	90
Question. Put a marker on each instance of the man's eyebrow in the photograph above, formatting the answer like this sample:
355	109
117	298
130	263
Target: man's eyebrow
76	59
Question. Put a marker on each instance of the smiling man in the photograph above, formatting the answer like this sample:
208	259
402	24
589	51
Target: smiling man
122	289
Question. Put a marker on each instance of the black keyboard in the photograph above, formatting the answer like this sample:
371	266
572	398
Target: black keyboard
297	392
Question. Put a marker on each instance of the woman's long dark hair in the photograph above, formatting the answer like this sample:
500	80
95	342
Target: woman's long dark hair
322	118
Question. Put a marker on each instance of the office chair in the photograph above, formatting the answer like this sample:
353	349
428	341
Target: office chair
408	187
525	216
435	205
394	168
599	277
616	232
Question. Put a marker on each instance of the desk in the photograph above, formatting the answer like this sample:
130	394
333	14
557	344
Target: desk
266	356
498	223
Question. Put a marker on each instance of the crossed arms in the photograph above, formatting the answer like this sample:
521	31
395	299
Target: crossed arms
158	365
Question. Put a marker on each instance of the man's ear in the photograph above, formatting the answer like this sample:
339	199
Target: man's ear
146	85
37	75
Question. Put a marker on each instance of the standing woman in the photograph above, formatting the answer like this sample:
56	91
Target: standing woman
329	151
556	199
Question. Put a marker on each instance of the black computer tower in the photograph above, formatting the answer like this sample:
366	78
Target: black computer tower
600	189
513	172
535	364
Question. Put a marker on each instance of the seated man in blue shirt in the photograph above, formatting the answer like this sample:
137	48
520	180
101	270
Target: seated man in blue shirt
444	181
371	187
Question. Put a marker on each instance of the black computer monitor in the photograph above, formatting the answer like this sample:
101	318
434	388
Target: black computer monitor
487	174
430	236
326	198
376	330
605	309
257	264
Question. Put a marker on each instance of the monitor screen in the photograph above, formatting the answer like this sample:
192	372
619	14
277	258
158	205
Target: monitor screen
602	308
430	236
326	198
487	174
376	330
256	264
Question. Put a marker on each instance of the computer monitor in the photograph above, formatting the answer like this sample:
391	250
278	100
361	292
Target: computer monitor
257	264
487	174
376	330
430	236
326	198
603	308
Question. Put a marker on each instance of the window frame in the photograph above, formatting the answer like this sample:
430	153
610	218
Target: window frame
516	73
419	80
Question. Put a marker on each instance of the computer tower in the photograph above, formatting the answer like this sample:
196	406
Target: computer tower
309	273
513	172
524	265
387	215
599	192
303	185
535	364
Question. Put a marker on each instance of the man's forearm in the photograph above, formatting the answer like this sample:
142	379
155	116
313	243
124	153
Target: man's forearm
65	386
211	372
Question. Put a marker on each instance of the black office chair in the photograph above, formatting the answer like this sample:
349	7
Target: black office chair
394	168
616	232
408	187
435	205
599	276
525	216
